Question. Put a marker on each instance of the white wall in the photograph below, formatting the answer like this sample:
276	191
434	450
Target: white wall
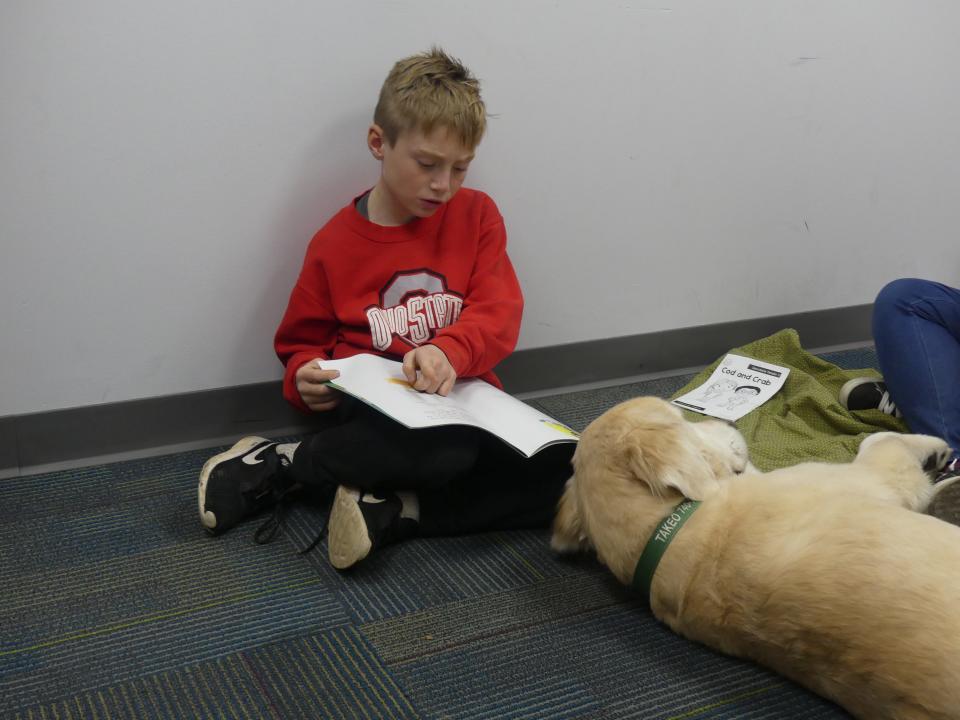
163	165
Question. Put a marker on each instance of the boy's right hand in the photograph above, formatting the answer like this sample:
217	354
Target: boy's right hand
310	384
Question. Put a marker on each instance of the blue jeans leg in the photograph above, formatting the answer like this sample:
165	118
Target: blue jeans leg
916	328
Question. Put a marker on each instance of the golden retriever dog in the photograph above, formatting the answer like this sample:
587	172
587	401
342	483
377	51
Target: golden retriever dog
825	573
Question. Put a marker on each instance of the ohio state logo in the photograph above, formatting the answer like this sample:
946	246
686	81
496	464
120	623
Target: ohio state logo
414	304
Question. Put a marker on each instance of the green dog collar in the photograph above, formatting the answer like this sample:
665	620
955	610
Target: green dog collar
657	546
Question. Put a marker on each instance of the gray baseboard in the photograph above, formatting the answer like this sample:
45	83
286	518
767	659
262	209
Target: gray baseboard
601	360
43	441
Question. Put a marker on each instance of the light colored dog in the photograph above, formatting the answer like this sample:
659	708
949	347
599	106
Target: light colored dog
822	572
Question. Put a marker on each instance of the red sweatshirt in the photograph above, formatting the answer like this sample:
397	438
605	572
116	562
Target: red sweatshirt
445	280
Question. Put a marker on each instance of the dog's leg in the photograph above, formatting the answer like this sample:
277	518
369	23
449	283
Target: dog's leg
568	533
906	464
931	452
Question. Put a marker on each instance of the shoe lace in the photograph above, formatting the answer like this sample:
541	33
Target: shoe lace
887	405
273	526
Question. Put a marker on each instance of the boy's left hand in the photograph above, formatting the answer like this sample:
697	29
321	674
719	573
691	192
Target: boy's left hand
436	374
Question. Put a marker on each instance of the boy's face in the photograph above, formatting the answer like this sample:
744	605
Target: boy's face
419	172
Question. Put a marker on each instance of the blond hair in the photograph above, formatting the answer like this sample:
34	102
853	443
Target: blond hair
431	90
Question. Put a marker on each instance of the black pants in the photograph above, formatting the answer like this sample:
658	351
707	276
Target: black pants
466	479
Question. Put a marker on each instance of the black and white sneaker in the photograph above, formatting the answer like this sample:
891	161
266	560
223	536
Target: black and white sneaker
362	522
945	501
241	482
865	393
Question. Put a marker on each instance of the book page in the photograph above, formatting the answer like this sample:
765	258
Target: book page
380	383
738	386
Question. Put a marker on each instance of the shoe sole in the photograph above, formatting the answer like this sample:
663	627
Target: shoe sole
945	503
348	540
241	447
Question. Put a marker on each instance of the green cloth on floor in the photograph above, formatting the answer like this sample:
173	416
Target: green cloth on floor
804	421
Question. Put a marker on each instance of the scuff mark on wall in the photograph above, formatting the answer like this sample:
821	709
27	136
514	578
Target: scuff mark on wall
628	6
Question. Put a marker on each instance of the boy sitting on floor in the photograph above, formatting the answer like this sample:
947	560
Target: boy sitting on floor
414	269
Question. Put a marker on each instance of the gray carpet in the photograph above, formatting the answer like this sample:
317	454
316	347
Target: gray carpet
117	605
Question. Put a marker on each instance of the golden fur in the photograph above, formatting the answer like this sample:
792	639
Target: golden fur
822	572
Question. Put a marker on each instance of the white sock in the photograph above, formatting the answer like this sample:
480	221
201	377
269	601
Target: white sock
411	505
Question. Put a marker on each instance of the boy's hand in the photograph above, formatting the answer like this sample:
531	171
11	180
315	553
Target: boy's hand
310	384
436	373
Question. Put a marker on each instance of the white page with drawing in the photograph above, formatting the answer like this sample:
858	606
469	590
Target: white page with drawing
737	386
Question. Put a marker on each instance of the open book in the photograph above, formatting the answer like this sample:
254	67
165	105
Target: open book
380	383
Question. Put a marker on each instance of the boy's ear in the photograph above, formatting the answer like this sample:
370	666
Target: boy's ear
376	140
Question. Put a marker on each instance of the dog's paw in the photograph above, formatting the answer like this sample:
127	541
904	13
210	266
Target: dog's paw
723	447
931	452
566	545
937	459
741	455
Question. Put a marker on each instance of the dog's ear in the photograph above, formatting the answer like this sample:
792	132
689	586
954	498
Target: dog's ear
693	483
568	534
664	460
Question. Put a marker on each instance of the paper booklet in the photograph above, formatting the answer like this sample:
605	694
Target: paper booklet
380	383
738	385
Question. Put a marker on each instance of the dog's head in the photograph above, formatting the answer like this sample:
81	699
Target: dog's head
643	447
647	440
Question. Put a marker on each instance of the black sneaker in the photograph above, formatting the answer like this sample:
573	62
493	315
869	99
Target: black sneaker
361	522
864	393
945	502
241	482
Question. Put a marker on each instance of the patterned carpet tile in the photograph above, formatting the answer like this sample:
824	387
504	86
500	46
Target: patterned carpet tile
96	595
28	499
221	688
193	572
109	591
333	674
775	702
425	573
855	359
71	531
617	662
458	624
101	487
149	644
428	572
76	570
